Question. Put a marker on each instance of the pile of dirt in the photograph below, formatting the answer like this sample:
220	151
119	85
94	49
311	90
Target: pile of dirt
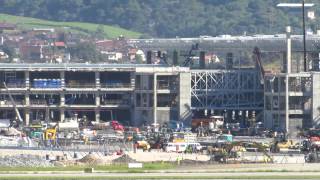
91	159
124	159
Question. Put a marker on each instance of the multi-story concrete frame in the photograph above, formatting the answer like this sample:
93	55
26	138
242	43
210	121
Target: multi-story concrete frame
132	94
293	106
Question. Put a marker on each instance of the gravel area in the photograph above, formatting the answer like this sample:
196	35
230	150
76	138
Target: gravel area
24	161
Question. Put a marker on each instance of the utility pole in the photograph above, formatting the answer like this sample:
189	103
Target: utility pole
304	38
302	5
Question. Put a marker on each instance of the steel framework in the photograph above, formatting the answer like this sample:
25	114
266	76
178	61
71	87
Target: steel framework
226	90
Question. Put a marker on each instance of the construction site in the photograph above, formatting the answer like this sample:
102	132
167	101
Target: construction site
68	113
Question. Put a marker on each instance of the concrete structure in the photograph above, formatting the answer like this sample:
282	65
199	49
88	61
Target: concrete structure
266	43
294	105
131	94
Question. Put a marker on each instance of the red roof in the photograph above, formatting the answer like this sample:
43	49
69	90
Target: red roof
59	44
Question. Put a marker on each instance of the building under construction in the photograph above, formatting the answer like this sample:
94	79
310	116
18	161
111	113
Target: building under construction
131	94
291	98
137	94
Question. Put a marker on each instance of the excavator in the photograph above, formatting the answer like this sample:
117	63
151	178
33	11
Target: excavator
231	150
282	143
50	136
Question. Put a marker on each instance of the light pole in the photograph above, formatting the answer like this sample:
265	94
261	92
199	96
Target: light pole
303	5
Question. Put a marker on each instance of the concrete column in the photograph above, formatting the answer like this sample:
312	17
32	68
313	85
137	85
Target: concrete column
288	31
132	79
62	99
185	97
237	119
133	99
27	99
27	117
62	116
97	77
284	62
154	99
62	78
27	79
97	113
315	113
287	103
97	99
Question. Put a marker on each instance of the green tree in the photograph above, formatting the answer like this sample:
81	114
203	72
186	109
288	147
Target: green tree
138	59
168	18
99	33
85	51
9	50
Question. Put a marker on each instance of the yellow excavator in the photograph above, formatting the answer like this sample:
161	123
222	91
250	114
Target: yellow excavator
50	135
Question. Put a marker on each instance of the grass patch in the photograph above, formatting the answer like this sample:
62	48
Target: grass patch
80	27
118	168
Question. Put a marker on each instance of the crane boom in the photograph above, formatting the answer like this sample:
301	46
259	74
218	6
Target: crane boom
13	103
257	58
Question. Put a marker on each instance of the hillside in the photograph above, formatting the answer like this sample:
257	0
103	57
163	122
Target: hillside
81	27
170	18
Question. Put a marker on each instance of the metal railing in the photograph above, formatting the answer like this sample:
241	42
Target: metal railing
116	85
81	85
115	102
15	85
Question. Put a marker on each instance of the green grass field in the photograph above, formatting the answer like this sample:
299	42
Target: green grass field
118	168
80	27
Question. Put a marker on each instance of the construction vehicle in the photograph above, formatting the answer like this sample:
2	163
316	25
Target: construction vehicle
282	143
232	150
18	116
224	138
180	137
312	143
50	136
117	126
35	130
141	142
182	147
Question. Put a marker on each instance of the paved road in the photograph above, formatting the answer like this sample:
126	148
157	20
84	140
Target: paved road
292	175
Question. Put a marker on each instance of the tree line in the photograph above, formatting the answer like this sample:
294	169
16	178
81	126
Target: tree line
169	18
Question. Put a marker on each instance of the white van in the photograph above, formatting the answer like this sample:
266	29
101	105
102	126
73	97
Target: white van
181	146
